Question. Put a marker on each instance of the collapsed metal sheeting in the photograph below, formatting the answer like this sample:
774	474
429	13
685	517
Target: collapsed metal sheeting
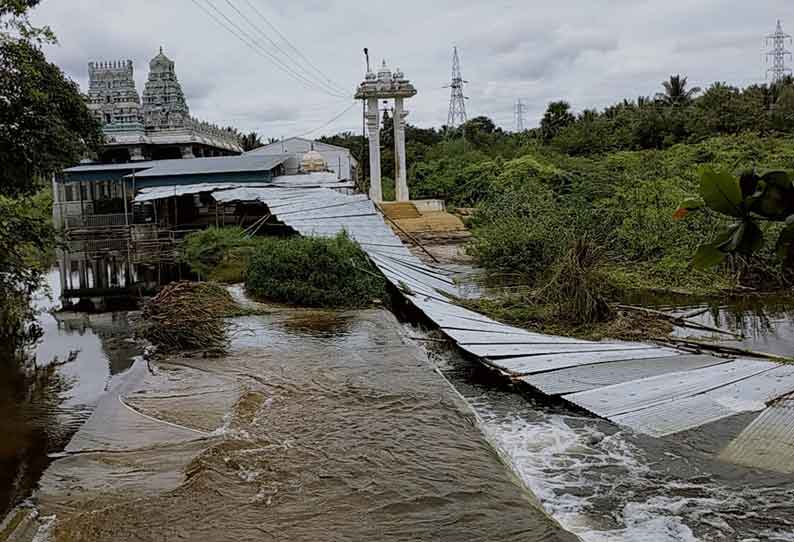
767	442
652	389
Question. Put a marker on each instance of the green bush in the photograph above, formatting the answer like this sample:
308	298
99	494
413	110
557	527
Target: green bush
218	253
314	272
522	226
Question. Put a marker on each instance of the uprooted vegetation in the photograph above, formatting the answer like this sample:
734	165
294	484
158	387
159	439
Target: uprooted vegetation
188	316
314	272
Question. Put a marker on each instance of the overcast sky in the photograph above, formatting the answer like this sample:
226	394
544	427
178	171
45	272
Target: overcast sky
589	52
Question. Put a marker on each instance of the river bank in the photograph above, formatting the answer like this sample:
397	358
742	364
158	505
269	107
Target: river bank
316	425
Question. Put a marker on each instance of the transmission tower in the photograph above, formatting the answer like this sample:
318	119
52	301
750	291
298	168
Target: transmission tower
457	101
521	113
778	53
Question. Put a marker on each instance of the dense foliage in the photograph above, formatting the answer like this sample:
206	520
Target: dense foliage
21	229
44	126
676	115
220	254
314	272
44	122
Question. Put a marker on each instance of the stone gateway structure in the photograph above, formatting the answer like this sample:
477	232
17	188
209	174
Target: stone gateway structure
159	126
385	86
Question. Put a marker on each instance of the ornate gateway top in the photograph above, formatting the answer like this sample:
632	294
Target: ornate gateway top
385	85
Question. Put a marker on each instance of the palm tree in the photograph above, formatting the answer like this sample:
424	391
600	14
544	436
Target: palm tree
675	92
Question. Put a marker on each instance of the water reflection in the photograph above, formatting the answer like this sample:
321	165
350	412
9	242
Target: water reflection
766	323
46	395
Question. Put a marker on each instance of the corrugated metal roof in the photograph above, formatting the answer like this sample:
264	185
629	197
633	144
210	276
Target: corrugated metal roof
222	164
768	442
164	192
638	395
96	168
589	377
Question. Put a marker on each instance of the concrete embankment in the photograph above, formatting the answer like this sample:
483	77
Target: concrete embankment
316	426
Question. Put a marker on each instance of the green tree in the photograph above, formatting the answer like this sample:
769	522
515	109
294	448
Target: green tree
676	91
44	121
557	116
782	118
14	19
44	126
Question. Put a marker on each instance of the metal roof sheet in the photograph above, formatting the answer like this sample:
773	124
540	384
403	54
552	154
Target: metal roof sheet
768	442
221	164
96	168
164	192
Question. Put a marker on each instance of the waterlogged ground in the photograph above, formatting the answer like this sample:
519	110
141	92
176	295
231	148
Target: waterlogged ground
317	426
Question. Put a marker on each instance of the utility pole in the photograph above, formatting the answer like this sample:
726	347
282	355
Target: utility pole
778	54
521	112
457	100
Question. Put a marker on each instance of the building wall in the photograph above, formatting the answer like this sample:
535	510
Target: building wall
340	161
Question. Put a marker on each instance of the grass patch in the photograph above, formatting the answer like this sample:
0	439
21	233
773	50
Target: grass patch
314	272
188	316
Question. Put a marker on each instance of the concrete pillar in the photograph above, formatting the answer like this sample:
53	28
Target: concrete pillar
373	128
401	175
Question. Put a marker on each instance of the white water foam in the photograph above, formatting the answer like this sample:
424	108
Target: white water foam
558	461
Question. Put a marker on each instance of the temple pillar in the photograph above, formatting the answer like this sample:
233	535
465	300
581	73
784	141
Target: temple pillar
373	127
401	176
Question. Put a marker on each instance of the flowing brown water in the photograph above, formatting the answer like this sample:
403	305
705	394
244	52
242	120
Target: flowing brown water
317	426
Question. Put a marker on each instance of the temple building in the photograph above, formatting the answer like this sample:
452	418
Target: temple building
305	155
157	127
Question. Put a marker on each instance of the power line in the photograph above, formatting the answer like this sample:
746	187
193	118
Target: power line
457	101
307	73
272	57
257	48
778	53
291	46
328	123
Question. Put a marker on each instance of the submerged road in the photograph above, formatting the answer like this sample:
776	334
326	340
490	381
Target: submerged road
317	426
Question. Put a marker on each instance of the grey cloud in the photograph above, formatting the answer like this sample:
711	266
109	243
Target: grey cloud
590	52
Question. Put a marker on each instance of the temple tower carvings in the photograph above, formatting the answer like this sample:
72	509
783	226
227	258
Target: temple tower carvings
164	104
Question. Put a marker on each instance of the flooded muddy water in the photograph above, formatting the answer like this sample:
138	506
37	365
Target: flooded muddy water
322	425
608	484
46	398
316	426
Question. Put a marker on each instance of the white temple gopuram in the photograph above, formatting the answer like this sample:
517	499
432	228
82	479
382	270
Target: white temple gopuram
386	86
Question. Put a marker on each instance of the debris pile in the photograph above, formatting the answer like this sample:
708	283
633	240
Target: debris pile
188	316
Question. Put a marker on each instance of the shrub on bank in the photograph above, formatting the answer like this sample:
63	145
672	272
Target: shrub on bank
314	272
219	254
